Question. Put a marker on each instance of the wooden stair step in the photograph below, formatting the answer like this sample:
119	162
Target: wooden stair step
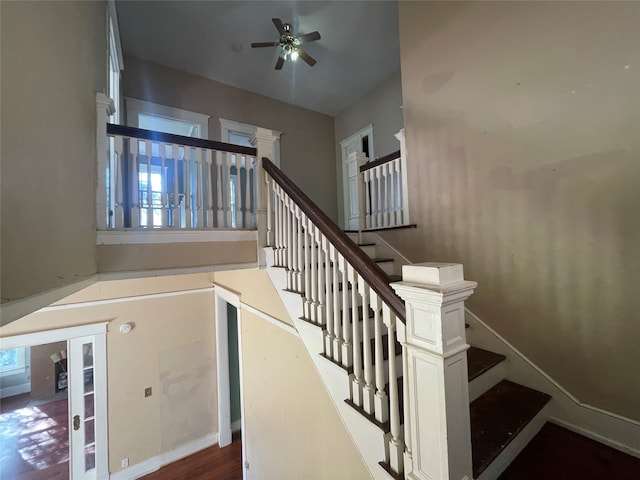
498	416
382	260
396	227
480	361
394	278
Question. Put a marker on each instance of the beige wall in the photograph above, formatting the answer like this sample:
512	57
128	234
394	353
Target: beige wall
53	63
170	349
381	106
122	258
523	137
293	429
307	142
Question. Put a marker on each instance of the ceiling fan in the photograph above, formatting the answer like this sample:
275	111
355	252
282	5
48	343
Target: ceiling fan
290	44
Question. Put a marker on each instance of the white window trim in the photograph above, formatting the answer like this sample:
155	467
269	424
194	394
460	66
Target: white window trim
20	366
136	107
227	126
115	41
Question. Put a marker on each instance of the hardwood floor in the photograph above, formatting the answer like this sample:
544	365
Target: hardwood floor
559	454
213	463
34	441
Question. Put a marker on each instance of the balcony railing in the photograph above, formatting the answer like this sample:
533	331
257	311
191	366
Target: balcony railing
156	180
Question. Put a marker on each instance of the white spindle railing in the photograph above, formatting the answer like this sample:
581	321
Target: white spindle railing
384	182
359	326
166	181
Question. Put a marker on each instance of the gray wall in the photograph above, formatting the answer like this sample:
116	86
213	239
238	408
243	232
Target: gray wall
307	142
524	164
53	63
381	107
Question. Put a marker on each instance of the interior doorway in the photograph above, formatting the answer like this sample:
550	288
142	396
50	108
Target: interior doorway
361	141
53	417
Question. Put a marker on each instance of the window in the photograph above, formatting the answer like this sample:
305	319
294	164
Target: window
13	361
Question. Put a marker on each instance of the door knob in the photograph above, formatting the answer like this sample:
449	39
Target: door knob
76	422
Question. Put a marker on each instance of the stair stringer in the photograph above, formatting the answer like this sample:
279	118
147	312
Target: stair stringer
368	438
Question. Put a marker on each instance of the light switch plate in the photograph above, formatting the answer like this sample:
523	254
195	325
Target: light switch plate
147	392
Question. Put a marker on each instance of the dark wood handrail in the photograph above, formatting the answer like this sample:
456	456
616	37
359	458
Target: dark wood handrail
178	139
365	266
380	161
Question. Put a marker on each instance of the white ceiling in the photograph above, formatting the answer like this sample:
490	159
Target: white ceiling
358	48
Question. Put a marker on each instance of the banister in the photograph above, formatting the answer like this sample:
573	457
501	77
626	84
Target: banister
365	266
142	134
380	161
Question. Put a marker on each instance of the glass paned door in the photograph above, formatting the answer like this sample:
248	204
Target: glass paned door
82	408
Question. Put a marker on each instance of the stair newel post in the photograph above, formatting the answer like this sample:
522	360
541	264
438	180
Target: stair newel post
336	348
357	383
347	346
368	390
119	182
329	294
321	267
135	182
402	179
381	403
396	442
436	354
264	141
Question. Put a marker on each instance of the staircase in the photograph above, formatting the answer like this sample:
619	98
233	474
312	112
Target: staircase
349	326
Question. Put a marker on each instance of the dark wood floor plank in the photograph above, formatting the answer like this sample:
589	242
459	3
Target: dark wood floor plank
208	464
559	454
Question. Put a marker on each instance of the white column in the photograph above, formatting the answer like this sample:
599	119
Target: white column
264	141
436	355
402	181
104	108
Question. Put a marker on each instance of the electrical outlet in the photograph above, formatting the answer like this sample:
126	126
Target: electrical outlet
147	392
125	462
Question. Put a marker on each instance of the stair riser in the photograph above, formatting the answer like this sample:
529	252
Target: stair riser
486	381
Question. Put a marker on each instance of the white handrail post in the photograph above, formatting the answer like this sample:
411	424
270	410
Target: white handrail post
434	341
264	141
354	162
104	108
403	180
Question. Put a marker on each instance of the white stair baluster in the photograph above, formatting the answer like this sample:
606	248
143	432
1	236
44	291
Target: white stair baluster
219	191
188	156
149	153
384	170
199	190
239	190
247	195
164	201
367	201
209	176
268	182
329	293
368	389
379	221
119	182
396	442
307	268
395	179
227	188
347	347
135	183
314	272
299	250
175	209
321	266
336	348
381	400
357	383
289	242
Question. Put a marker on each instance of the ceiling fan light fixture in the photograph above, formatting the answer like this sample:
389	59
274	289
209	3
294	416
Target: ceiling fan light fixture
294	55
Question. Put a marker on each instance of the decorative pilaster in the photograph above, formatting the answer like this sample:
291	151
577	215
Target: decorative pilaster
403	179
438	440
264	141
104	108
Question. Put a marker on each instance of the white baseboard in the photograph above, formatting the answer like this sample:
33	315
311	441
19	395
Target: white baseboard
566	410
152	464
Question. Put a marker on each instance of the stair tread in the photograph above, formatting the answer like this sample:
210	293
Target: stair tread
498	416
394	278
480	361
366	244
382	259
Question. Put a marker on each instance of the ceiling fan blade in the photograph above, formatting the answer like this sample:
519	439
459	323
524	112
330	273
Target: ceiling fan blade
306	57
279	25
279	63
309	37
264	44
